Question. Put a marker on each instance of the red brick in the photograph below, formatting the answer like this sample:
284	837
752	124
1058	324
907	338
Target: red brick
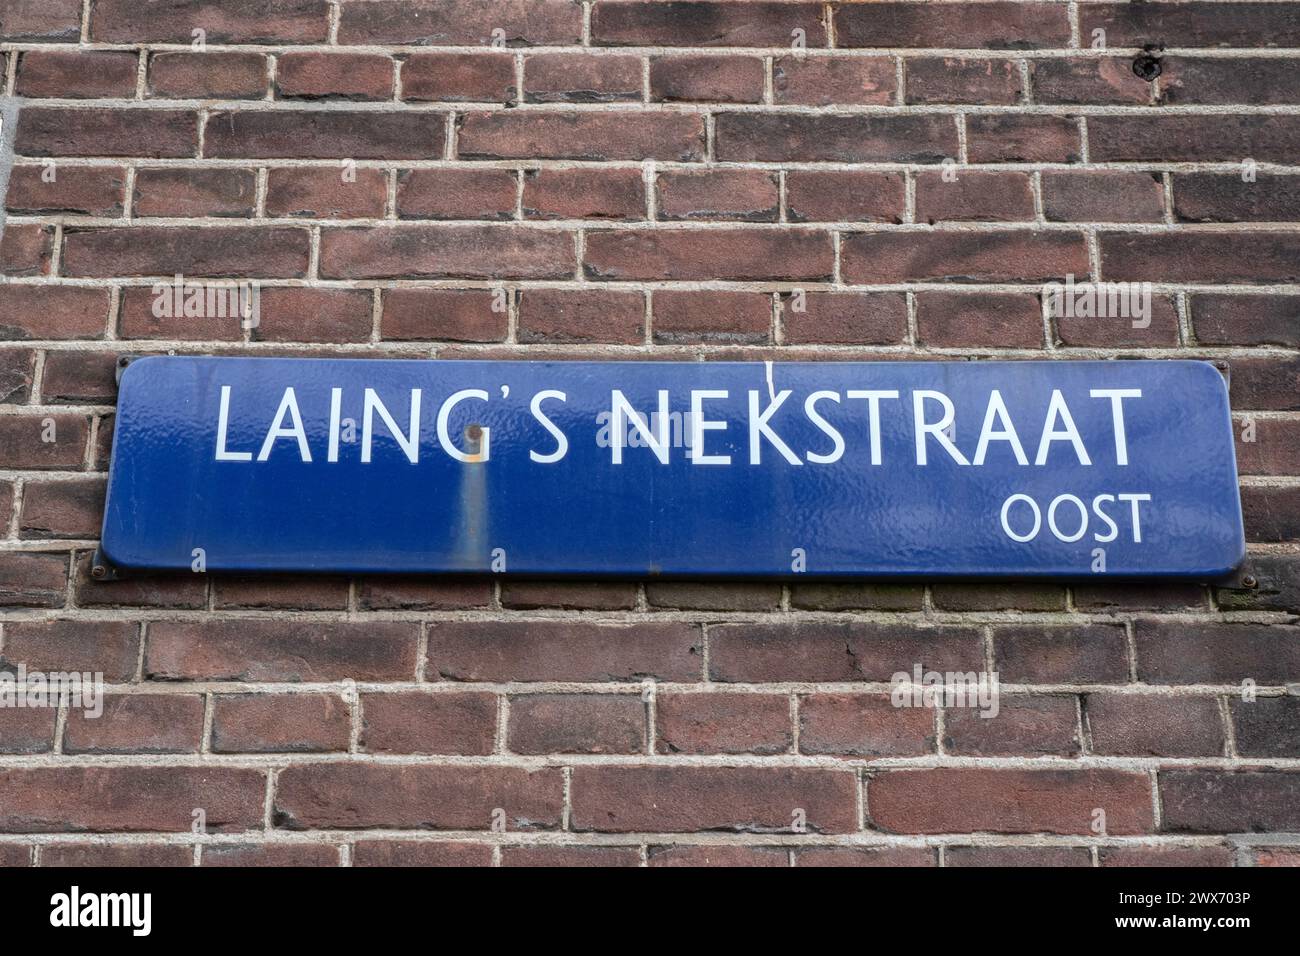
1003	256
27	731
714	254
1089	80
26	250
844	196
853	597
107	647
581	78
437	251
510	134
1256	80
1214	197
421	853
577	723
459	77
584	193
1050	654
392	592
1274	450
270	854
691	317
61	131
136	320
225	76
957	319
706	23
571	595
393	796
6	503
865	856
1271	514
53	442
1024	726
833	651
458	315
70	508
685	799
1182	138
710	596
31	578
327	193
323	134
1018	138
79	378
316	315
999	596
993	196
968	799
1261	383
980	80
559	315
722	723
424	723
1172	596
137	724
729	856
52	312
1214	801
1183	652
1274	856
271	252
826	137
1220	319
117	855
545	650
266	723
462	22
1193	24
748	195
281	651
552	856
845	318
1267	726
829	80
181	591
346	76
450	193
863	725
1277	586
195	192
706	79
1164	856
161	799
34	20
997	26
1103	196
72	74
224	21
74	190
1146	726
1036	856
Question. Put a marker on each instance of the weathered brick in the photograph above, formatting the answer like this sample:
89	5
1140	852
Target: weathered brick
1225	197
584	194
1102	196
980	80
570	595
1211	80
195	192
451	193
73	74
1131	725
290	592
1277	587
394	592
852	597
865	856
1036	856
395	796
968	799
136	320
560	315
828	80
17	369
1185	138
1271	514
462	22
65	508
443	723
180	591
1267	726
995	26
1088	80
1211	652
552	856
36	20
844	196
863	725
271	252
586	136
957	319
999	596
1051	654
52	312
844	318
562	650
1164	856
279	723
1273	447
32	578
706	23
730	194
1193	24
581	78
270	854
162	799
137	724
420	853
323	134
458	315
74	190
316	315
677	855
325	193
992	196
1217	801
684	799
224	75
577	723
29	730
1023	726
117	854
706	79
709	596
1220	319
436	251
1002	256
837	651
343	76
1145	596
689	254
459	78
1201	257
722	723
827	137
274	650
1022	138
223	21
681	316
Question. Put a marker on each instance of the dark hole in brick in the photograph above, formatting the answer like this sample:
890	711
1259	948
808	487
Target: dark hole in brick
1146	67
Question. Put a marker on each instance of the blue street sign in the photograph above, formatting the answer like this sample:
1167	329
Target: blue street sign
927	469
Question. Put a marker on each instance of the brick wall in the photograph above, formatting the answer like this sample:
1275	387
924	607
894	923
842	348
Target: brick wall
643	180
